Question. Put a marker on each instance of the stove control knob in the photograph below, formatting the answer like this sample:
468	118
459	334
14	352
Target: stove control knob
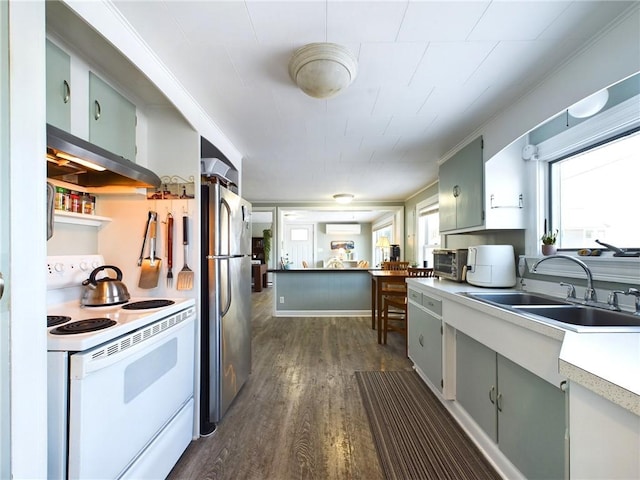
58	267
84	266
95	264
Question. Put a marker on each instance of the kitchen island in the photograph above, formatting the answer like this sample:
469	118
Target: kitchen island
322	292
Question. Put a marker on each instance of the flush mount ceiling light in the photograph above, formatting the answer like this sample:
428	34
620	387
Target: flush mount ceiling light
322	70
590	105
343	197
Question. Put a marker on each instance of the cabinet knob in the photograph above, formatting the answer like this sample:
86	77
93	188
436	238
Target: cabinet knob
492	392
499	402
456	191
97	111
421	340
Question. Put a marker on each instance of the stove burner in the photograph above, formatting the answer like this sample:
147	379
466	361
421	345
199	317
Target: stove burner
143	305
53	320
83	326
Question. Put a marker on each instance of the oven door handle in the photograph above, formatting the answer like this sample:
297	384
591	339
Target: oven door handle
110	353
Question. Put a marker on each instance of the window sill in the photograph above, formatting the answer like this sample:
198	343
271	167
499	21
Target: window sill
605	268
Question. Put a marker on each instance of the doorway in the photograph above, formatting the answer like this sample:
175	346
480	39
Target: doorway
298	245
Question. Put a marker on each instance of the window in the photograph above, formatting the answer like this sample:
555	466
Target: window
595	195
380	253
428	233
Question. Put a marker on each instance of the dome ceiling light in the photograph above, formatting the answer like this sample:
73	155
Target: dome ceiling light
589	106
343	198
322	70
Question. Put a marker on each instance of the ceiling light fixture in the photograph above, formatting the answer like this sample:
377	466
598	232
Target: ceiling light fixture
589	106
323	70
343	198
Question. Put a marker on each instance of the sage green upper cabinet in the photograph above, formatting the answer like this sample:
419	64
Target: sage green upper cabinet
58	87
461	181
112	119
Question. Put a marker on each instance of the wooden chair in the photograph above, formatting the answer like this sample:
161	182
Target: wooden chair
394	309
420	272
363	264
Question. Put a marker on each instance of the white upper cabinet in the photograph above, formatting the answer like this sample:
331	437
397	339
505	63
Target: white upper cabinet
506	197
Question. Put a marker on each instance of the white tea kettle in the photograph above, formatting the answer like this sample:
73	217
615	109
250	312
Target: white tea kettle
104	291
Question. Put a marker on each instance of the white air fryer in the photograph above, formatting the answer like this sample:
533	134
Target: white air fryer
491	266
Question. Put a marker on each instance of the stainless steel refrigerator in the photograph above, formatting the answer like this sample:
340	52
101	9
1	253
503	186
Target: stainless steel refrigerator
226	302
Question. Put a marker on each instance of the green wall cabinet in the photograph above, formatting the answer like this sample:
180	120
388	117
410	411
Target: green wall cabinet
522	413
58	87
460	191
112	119
425	336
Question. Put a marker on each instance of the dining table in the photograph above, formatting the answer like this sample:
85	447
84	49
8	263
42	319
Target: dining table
378	279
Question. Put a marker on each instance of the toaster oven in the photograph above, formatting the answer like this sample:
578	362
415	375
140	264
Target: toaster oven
450	263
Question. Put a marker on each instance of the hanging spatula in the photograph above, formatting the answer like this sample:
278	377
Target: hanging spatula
151	265
185	276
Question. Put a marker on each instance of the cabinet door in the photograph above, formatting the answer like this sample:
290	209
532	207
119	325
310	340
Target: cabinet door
112	119
432	366
469	171
531	423
460	186
446	198
416	334
476	382
58	87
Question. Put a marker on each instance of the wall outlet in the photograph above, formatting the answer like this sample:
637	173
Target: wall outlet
281	299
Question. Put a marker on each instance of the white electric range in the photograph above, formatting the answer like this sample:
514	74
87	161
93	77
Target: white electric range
120	399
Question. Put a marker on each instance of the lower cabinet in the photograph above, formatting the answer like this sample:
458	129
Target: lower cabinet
425	340
522	413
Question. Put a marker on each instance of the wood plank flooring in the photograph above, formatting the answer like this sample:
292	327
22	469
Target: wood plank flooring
300	414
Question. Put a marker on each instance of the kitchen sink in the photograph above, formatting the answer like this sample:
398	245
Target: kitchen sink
517	298
584	316
553	309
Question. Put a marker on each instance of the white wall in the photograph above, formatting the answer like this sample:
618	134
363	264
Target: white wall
608	59
27	240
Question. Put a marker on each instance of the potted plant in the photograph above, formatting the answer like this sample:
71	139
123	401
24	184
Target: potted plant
549	242
266	245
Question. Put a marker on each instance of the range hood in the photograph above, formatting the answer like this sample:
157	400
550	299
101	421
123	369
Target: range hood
77	161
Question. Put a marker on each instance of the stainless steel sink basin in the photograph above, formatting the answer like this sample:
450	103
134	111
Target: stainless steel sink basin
554	310
584	316
517	298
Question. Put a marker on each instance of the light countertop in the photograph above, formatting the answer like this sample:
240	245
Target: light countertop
607	363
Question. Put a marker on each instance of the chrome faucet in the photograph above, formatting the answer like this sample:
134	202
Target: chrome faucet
590	293
635	292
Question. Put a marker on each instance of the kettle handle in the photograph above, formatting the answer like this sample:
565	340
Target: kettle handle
92	277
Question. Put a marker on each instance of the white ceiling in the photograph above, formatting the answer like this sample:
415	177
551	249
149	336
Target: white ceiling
430	74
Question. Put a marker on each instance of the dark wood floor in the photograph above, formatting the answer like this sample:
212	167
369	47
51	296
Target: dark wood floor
300	414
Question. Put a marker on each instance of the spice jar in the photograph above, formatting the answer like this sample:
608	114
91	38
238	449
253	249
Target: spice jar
87	205
60	199
76	205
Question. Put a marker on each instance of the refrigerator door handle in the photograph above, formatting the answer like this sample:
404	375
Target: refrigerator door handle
224	205
229	299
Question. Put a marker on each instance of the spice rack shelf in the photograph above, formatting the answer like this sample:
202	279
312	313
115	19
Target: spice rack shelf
60	216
